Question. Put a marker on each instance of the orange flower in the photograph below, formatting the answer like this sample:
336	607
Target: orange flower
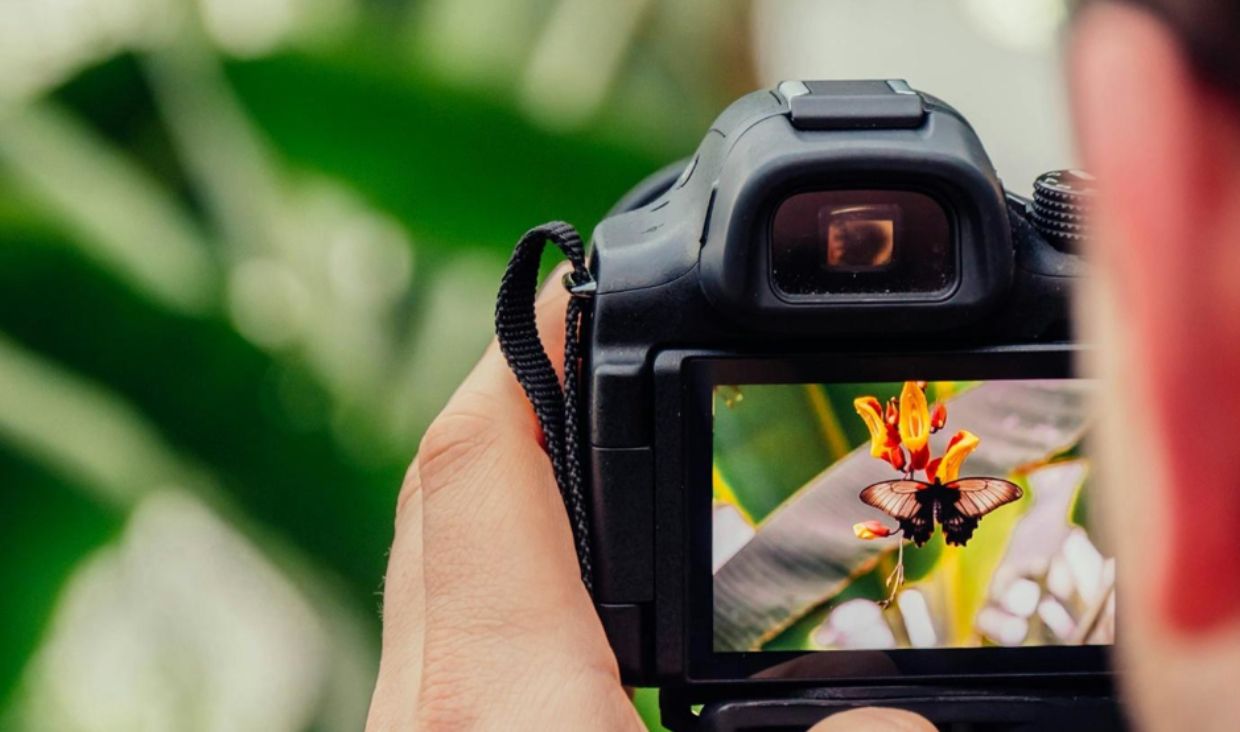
871	530
872	414
895	456
938	417
915	424
947	468
883	436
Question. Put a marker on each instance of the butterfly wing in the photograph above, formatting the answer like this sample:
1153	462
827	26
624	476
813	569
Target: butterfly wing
957	527
979	496
896	498
975	497
904	500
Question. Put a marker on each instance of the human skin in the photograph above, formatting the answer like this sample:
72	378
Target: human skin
486	624
1163	309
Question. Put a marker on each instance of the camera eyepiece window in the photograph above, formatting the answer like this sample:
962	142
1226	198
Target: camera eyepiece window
816	376
859	238
865	242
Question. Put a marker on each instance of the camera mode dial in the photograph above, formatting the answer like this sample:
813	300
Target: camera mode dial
1061	206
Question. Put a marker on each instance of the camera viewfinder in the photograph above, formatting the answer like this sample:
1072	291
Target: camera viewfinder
859	238
871	243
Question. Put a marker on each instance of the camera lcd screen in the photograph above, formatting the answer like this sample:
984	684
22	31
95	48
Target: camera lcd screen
906	515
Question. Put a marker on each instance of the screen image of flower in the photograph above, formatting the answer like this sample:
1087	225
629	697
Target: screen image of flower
803	562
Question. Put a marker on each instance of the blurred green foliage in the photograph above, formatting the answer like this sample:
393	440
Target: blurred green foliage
54	525
159	389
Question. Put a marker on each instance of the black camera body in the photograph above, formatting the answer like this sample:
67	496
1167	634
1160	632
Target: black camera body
821	231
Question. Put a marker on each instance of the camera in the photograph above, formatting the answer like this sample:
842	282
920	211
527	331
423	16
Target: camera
833	442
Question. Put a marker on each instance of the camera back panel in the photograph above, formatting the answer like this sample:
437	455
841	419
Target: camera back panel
817	223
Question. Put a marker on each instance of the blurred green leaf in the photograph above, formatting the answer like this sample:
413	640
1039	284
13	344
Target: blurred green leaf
456	168
214	397
799	635
47	525
919	562
647	703
114	100
773	445
1080	506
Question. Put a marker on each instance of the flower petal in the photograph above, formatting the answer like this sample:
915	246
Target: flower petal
895	456
961	445
871	412
919	458
914	417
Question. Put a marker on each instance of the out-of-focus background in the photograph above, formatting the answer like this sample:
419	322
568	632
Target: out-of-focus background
247	247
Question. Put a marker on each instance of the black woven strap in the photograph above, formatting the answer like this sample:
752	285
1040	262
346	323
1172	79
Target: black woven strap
556	407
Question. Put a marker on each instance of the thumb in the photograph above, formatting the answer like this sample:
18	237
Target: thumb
874	719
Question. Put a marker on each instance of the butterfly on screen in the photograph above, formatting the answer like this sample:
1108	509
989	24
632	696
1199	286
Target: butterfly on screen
957	505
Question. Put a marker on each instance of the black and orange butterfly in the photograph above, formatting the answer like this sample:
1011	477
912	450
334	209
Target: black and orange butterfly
958	505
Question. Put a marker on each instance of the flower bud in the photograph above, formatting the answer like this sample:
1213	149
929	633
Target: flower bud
871	530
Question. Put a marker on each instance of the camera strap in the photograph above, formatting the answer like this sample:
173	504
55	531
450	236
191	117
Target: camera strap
555	406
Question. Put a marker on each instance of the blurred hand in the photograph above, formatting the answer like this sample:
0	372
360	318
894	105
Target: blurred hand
872	719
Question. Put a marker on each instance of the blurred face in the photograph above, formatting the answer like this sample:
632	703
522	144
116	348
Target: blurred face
860	242
1164	309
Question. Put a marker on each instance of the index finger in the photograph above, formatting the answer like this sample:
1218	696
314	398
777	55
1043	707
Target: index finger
498	559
